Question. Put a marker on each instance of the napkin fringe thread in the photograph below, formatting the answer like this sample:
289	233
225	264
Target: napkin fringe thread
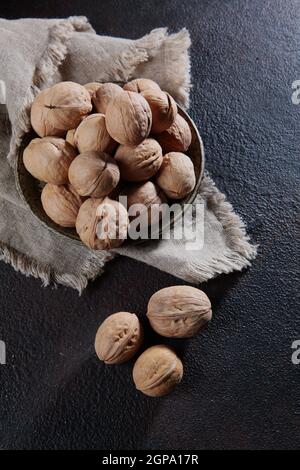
92	268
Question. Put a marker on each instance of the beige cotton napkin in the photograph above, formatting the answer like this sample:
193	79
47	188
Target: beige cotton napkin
36	53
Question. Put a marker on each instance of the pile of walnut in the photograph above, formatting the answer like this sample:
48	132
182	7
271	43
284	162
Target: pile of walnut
92	137
173	312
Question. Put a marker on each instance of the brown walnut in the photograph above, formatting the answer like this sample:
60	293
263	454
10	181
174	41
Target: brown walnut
176	176
61	204
179	311
118	338
60	108
163	108
157	371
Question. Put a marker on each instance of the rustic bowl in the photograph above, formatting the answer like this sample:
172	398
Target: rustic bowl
30	188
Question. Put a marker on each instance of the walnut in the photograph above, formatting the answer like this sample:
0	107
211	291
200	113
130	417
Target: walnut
163	108
70	137
61	204
176	176
102	223
141	84
144	200
104	95
60	108
91	134
141	162
128	118
157	371
94	174
118	338
179	311
177	138
92	87
48	159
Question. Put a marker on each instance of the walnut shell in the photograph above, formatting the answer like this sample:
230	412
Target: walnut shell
144	200
141	162
60	108
102	223
157	371
163	108
48	159
179	311
91	134
128	118
70	137
92	87
176	176
141	84
118	338
61	204
177	138
94	174
104	95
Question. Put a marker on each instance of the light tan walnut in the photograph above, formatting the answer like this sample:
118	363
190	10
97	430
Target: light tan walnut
48	159
128	118
118	338
61	204
176	176
157	371
60	108
102	223
179	311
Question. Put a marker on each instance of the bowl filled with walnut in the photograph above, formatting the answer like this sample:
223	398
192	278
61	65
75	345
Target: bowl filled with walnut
91	144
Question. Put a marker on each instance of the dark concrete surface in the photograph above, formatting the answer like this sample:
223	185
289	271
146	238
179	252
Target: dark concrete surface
240	389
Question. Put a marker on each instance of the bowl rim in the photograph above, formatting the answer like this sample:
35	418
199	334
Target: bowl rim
72	234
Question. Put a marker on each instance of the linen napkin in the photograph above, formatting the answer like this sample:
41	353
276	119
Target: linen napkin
35	54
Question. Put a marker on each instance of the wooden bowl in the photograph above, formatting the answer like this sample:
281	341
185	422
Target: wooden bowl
30	188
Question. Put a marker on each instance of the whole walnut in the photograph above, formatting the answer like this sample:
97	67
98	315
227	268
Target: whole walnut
141	162
60	108
157	371
144	200
163	109
104	95
102	223
70	137
141	84
118	338
92	87
91	134
48	159
128	118
177	138
61	204
176	176
94	174
179	311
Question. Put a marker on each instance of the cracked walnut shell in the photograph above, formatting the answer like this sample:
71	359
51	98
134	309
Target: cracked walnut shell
179	311
48	159
60	108
118	338
128	118
157	371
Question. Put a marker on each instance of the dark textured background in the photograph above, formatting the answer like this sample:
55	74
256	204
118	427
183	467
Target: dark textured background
240	388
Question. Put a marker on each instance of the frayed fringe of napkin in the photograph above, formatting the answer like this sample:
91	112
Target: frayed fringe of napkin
93	267
240	251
